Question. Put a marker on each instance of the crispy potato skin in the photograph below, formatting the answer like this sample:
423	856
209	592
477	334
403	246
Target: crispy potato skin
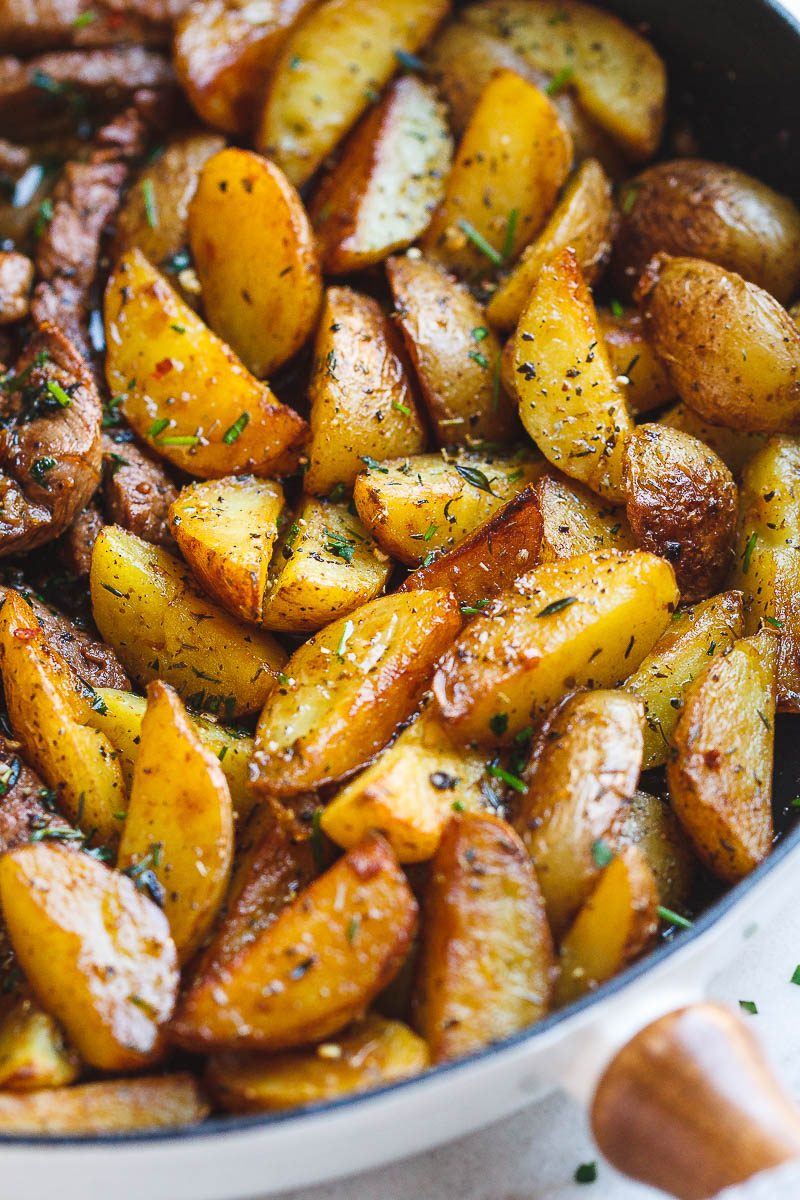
576	521
581	779
681	504
702	209
111	1106
651	825
486	964
734	446
731	351
96	952
315	968
647	385
720	776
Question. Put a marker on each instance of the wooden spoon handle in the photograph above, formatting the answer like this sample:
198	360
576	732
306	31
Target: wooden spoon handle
691	1106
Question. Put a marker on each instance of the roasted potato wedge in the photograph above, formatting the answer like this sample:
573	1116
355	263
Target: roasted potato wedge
575	521
371	1054
33	1051
362	401
263	298
179	824
486	964
645	380
96	952
380	195
315	968
225	529
508	170
186	394
329	70
111	1106
348	688
651	825
720	774
734	446
682	504
581	779
147	607
455	355
569	400
616	925
415	507
693	636
584	220
731	351
584	622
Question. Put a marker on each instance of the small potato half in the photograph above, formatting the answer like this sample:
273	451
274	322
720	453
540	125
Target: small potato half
651	825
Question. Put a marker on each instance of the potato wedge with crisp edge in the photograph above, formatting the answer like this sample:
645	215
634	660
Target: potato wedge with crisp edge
34	1053
731	351
582	219
619	79
331	67
186	394
569	400
490	559
179	823
410	792
324	566
734	446
147	606
371	1054
584	622
362	399
651	825
616	925
720	771
262	299
225	529
486	964
509	167
380	195
96	952
767	561
693	636
645	380
50	718
576	521
110	1106
315	968
454	353
582	775
348	688
417	506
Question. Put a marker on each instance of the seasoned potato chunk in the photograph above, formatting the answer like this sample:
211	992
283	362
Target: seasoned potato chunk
651	825
575	521
486	964
112	1106
584	622
348	688
147	607
33	1051
96	952
645	379
720	776
734	446
315	968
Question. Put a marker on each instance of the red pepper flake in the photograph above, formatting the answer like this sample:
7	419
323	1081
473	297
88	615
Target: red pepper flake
26	635
162	368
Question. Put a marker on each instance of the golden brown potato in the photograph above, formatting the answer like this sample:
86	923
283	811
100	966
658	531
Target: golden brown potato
616	925
486	964
362	402
575	521
584	622
186	394
584	220
720	775
262	295
418	506
707	210
581	779
455	355
734	446
112	1106
147	606
681	503
179	824
96	952
693	636
330	69
619	79
490	559
510	165
348	688
225	529
651	825
731	351
315	968
569	401
380	195
33	1051
646	382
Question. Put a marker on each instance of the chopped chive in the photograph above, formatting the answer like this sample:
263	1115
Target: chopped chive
401	408
513	781
557	606
344	639
83	19
236	430
458	806
480	242
511	229
616	309
586	1173
795	976
149	197
774	622
373	465
479	358
178	328
429	532
471	610
158	427
410	61
188	439
749	1006
602	853
480	332
673	918
748	552
428	559
58	393
499	723
559	81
